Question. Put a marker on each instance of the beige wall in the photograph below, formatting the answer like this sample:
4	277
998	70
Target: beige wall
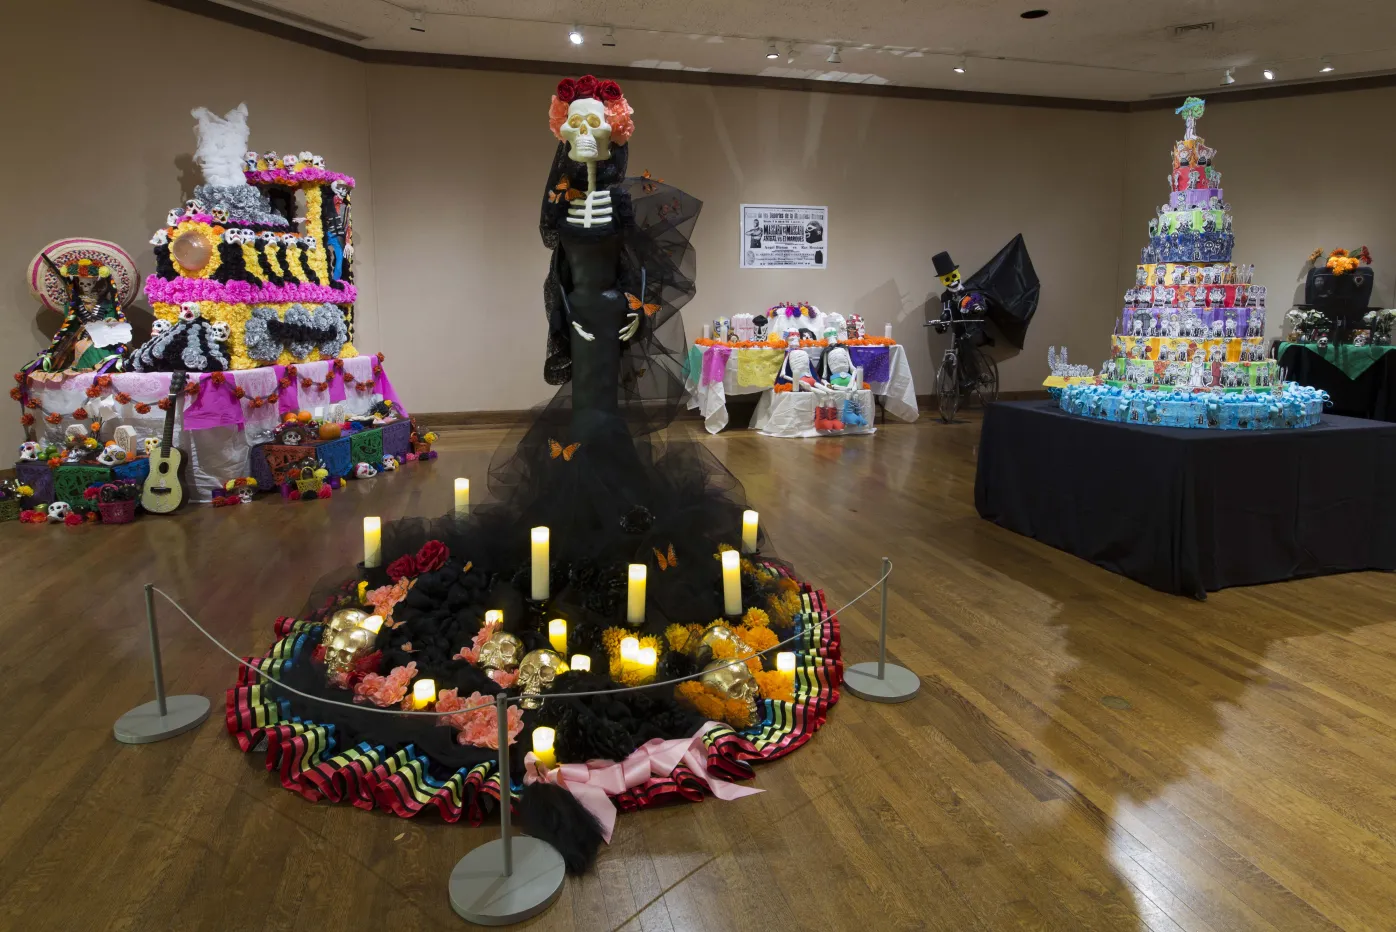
1300	173
98	137
461	160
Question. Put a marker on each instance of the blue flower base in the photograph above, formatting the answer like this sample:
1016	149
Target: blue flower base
1293	406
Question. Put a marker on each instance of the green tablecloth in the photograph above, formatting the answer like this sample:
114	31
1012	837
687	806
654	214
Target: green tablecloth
1352	360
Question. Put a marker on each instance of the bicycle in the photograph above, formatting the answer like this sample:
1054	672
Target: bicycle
978	374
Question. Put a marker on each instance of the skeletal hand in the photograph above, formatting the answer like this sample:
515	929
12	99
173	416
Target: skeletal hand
630	329
585	336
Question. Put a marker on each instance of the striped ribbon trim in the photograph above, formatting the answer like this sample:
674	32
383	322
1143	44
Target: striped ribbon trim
306	757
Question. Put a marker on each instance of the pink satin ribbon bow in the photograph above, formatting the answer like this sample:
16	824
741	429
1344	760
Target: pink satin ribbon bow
596	781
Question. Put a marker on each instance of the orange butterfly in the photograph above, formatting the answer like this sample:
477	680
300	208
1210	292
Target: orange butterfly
562	189
556	449
648	185
666	561
636	304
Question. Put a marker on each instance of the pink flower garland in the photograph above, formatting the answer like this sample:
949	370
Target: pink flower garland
300	176
385	597
179	290
479	727
388	690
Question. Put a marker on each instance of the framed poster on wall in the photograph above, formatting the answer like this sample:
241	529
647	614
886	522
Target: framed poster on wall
784	237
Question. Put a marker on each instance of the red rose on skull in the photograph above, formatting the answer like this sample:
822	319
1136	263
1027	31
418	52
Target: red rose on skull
432	556
567	90
587	86
609	91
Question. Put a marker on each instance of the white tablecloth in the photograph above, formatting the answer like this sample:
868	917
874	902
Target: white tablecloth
791	414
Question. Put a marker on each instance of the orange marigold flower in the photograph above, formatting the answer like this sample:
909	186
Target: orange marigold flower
142	408
15	393
122	398
26	419
54	418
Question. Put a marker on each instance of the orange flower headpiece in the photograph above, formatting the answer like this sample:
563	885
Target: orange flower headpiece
588	87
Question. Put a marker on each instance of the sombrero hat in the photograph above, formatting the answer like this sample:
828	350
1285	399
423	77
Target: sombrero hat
52	292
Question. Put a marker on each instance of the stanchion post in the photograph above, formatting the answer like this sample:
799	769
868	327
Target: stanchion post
484	894
167	716
881	681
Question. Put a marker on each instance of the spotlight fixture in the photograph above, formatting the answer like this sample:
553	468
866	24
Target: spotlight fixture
1227	78
771	51
1325	65
1269	74
575	36
1032	14
419	22
609	39
959	66
834	58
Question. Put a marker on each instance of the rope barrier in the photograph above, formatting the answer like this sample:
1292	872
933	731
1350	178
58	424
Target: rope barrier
541	697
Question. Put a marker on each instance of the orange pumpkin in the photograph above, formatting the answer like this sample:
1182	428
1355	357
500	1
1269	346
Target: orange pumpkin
305	417
330	431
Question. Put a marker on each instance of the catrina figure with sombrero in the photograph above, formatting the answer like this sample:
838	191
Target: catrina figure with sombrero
94	332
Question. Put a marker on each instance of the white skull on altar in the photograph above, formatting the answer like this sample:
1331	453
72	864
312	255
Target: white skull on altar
28	451
586	131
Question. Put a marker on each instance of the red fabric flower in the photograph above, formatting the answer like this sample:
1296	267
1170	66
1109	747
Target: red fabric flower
402	567
103	380
15	393
239	392
325	491
609	90
91	517
567	90
305	381
90	493
291	371
80	414
587	86
273	398
122	398
54	418
381	357
26	419
19	377
142	408
218	378
72	519
294	495
432	556
31	403
92	391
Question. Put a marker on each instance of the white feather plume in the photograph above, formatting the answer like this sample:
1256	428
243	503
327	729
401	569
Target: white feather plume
222	142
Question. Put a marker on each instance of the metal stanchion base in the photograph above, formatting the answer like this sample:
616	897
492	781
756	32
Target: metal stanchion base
145	724
482	895
898	684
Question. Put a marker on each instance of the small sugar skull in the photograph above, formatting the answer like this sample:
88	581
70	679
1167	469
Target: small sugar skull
174	217
537	671
249	161
364	471
160	238
220	332
289	161
311	243
339	188
272	159
195	206
268	238
159	326
290	239
389	462
111	454
28	451
220	214
305	156
501	652
190	311
151	445
233	237
318	161
58	511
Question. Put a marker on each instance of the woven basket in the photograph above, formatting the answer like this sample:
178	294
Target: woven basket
115	512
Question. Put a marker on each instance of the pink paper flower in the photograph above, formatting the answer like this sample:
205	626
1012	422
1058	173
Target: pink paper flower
480	726
385	597
503	677
471	654
385	691
179	290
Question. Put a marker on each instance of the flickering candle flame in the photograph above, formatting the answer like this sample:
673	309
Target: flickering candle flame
543	738
731	584
557	635
647	660
635	595
462	498
540	564
581	663
749	527
494	617
629	650
373	542
785	662
373	623
423	693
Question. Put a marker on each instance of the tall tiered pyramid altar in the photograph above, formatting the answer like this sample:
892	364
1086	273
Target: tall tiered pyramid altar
1189	347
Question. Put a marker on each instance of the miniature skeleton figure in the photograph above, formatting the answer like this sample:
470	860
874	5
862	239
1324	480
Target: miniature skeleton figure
1141	276
796	371
1230	325
836	366
1175	277
1226	223
1136	325
1209	223
1218	328
1185	223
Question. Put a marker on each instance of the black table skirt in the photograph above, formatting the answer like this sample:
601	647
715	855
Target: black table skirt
1371	395
1192	511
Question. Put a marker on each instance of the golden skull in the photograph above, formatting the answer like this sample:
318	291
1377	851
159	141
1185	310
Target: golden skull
704	652
501	652
342	620
346	647
537	672
732	681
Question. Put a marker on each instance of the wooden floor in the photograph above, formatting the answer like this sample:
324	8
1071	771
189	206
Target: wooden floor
1086	754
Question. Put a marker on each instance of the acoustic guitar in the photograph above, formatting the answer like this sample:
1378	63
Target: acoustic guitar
163	493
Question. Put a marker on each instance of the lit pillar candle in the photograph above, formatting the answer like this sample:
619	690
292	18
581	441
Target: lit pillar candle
373	623
647	659
785	666
557	635
749	525
423	693
731	584
373	542
540	563
494	617
462	498
543	738
888	330
629	651
580	662
635	596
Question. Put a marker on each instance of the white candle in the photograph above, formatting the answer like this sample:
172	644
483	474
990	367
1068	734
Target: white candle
557	635
750	522
731	584
580	662
707	331
647	660
372	623
462	498
373	542
888	331
635	596
629	650
785	661
543	738
423	693
494	617
540	563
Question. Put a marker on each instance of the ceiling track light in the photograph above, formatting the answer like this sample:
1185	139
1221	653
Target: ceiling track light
959	66
419	22
575	36
1324	65
1228	78
609	39
771	51
834	58
790	54
1268	74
